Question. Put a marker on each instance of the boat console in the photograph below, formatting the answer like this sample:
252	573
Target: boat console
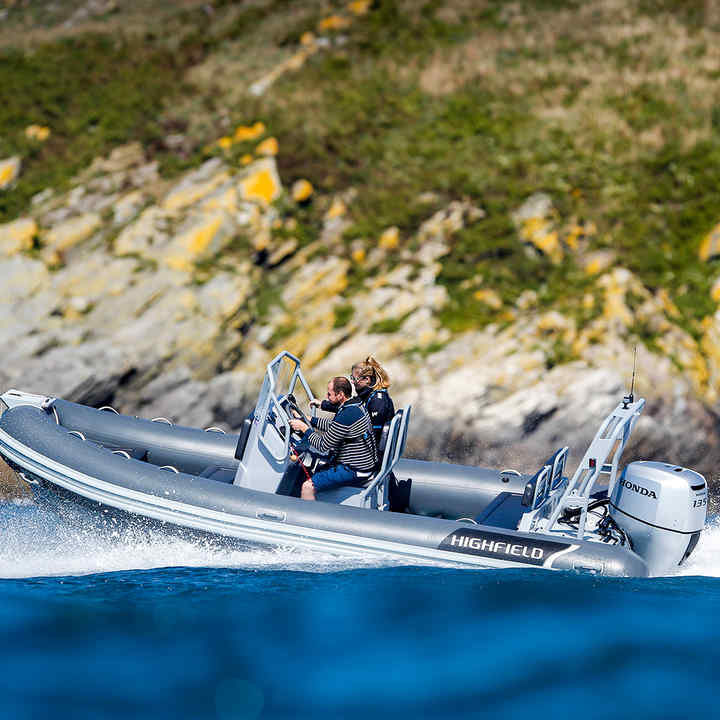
269	446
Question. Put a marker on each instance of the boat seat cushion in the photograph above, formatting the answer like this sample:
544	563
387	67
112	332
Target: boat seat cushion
342	495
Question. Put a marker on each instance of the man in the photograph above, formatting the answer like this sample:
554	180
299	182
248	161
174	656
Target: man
348	436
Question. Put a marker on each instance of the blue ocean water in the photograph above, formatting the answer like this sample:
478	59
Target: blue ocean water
131	623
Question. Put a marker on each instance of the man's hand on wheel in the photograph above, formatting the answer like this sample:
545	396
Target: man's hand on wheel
298	425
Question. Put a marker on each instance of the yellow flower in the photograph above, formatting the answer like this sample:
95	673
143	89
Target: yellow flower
302	190
268	147
359	7
715	292
37	132
307	38
245	132
390	238
336	210
333	22
225	142
489	297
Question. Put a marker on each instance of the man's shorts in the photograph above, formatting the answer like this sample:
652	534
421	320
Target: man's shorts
334	476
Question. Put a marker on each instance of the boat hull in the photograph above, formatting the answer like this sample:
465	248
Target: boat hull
40	446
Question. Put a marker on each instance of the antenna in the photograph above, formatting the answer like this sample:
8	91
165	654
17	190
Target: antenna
628	399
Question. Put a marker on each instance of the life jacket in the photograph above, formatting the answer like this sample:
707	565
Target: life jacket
381	429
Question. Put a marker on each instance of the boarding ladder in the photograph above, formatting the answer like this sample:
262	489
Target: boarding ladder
600	461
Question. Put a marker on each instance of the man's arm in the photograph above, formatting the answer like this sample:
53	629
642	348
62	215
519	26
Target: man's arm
331	439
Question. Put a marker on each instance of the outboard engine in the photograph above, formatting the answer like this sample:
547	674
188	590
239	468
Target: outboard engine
662	508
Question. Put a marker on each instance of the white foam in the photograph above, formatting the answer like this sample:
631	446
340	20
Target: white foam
39	542
705	559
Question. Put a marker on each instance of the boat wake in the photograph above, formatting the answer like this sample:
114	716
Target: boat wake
49	541
705	560
55	540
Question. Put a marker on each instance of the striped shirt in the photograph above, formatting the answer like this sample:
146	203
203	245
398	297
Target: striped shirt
349	436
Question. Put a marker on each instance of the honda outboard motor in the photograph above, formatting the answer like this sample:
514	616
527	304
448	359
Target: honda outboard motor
662	508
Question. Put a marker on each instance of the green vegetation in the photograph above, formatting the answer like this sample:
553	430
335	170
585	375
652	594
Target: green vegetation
389	325
93	92
343	315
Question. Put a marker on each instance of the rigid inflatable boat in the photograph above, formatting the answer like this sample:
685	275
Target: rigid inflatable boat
643	520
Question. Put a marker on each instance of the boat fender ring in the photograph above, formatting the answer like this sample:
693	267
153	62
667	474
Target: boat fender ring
76	432
508	471
108	408
467	520
124	453
213	428
162	420
171	468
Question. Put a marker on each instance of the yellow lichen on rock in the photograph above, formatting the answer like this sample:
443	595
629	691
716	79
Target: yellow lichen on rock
9	171
683	349
549	244
359	7
190	246
261	182
715	291
248	132
535	220
225	198
307	39
186	194
144	235
37	132
710	347
17	236
489	297
616	285
599	261
710	245
268	147
333	22
390	238
66	235
668	306
553	323
316	283
337	209
578	232
302	190
537	231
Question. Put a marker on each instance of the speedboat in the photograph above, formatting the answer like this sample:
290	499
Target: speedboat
642	520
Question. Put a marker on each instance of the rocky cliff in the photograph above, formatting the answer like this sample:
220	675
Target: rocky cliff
508	318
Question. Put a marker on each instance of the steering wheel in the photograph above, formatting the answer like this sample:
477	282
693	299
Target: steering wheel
289	404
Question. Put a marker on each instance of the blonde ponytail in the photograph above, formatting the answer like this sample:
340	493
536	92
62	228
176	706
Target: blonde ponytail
372	369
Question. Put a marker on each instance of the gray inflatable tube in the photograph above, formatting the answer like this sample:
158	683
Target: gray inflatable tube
46	445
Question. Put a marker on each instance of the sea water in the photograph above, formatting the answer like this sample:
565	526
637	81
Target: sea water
130	623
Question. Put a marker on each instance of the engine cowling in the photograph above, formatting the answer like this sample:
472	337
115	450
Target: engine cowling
662	508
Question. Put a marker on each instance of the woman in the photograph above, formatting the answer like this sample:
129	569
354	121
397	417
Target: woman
371	383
